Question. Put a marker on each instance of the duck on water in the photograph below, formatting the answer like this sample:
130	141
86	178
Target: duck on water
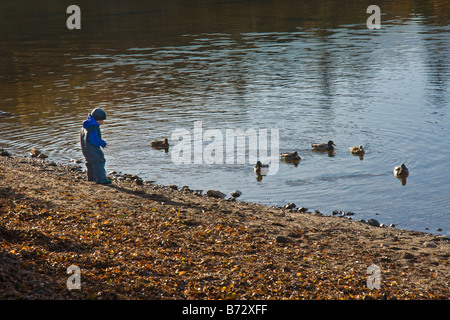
160	144
329	146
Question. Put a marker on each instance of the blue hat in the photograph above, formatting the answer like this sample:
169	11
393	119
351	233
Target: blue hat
98	114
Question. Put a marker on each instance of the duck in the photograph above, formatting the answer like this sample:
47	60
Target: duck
261	169
290	156
357	150
401	171
162	144
36	153
329	146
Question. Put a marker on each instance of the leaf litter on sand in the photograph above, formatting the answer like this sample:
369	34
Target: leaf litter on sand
152	242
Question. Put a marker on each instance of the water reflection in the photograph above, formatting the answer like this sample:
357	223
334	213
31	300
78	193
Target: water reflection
402	180
360	156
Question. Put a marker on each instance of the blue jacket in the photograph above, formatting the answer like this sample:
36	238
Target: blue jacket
91	141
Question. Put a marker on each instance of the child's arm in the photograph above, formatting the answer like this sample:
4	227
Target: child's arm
95	140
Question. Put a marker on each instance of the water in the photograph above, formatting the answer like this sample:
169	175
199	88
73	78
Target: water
312	70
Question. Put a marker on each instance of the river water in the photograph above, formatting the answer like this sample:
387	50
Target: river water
310	70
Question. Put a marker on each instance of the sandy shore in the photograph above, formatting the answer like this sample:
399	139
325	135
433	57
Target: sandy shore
136	240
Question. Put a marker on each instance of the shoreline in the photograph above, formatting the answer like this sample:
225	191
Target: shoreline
137	240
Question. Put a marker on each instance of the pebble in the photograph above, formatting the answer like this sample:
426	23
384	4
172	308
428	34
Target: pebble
215	194
127	177
429	245
173	186
4	153
373	222
236	193
289	206
407	255
283	239
343	213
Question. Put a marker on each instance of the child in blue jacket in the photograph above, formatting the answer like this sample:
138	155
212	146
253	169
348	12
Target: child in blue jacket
91	141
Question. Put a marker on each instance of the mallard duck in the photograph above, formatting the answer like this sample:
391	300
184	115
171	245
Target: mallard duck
357	150
36	153
323	146
261	169
401	171
290	156
163	144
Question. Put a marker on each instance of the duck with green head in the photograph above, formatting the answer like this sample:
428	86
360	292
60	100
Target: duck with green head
329	146
261	169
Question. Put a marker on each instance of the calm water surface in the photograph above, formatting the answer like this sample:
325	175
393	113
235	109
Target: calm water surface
312	70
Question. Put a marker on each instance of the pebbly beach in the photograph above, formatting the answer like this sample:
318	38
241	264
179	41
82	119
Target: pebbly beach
133	239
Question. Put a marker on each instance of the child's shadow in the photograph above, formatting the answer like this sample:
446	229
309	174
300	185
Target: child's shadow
145	195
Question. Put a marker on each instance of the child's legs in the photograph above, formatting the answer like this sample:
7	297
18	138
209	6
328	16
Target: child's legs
99	172
96	171
90	172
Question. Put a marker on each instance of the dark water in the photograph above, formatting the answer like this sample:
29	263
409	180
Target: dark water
310	69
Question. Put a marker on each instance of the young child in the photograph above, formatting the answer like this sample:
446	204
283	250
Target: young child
91	141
